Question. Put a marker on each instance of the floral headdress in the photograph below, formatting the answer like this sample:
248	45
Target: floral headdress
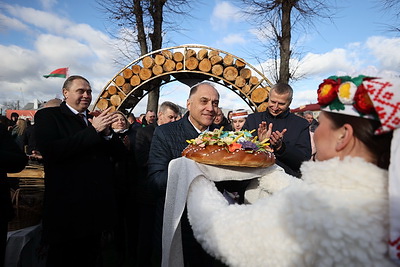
372	98
346	95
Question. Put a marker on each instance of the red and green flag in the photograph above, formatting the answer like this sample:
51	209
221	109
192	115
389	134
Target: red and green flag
61	73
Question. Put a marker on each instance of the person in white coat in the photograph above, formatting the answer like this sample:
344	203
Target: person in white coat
337	214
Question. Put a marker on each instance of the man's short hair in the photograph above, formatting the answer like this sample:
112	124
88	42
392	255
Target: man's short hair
169	105
308	112
194	88
283	88
70	79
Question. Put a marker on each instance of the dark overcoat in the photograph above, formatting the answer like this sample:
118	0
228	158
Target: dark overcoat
79	199
296	141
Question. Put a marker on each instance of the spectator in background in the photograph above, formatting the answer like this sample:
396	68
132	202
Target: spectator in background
229	117
13	120
149	118
12	160
19	133
220	120
168	112
290	136
125	183
238	119
309	116
133	123
140	118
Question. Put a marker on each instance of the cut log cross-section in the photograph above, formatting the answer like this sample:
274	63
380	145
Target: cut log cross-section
112	90
245	73
145	74
169	65
126	88
259	95
240	81
178	57
148	62
115	100
179	66
216	60
205	65
239	63
190	53
136	69
135	80
253	80
230	73
159	60
157	70
119	80
127	73
217	70
202	54
191	63
228	60
167	54
103	104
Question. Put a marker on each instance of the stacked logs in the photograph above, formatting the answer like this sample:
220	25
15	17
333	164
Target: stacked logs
231	70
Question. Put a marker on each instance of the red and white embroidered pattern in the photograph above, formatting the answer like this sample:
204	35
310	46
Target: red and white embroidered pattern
385	95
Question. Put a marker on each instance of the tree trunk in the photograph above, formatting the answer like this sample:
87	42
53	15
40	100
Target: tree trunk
285	53
156	11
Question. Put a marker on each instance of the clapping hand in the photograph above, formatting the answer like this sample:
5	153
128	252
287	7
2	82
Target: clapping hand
275	137
103	121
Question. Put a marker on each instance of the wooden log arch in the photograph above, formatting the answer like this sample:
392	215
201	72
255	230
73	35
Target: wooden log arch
184	63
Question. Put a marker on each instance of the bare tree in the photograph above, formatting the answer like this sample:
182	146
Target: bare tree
393	8
141	25
277	19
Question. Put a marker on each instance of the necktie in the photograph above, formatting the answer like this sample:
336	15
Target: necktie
82	117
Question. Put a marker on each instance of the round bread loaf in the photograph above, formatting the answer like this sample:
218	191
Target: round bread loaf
219	155
229	149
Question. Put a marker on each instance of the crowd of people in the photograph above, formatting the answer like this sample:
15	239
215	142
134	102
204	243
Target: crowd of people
106	176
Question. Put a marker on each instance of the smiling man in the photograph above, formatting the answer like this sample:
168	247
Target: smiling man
168	143
79	199
290	136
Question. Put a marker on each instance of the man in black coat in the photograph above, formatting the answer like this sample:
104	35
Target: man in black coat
168	112
168	142
12	160
290	137
79	201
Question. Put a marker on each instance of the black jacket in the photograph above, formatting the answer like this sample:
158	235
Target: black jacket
12	160
79	198
296	141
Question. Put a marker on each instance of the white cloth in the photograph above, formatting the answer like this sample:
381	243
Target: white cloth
181	172
394	193
336	216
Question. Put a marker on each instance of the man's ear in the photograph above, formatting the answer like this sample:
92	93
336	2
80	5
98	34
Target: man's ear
64	92
188	104
345	135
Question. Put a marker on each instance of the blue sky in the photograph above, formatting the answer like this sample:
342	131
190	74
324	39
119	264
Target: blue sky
38	36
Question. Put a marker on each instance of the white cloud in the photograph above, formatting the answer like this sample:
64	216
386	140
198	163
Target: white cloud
7	23
223	14
233	39
386	51
48	4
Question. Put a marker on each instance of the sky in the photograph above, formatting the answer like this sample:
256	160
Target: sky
39	36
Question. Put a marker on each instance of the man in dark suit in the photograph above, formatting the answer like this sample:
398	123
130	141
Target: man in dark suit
168	112
79	200
290	137
12	159
168	142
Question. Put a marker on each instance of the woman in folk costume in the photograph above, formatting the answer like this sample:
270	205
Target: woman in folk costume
338	213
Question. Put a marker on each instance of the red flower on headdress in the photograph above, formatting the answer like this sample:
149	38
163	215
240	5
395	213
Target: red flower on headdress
362	101
327	91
